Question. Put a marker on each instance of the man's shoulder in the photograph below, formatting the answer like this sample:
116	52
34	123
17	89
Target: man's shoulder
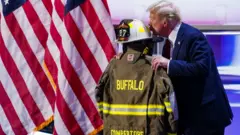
191	31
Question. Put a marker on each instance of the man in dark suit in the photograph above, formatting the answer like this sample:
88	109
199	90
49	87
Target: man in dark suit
202	102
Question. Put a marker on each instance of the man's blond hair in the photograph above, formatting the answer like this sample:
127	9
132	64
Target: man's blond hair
165	8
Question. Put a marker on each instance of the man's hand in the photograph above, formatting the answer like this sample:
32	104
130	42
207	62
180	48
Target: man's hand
159	61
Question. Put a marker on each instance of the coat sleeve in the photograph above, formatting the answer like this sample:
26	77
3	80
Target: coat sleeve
169	102
199	59
99	90
101	86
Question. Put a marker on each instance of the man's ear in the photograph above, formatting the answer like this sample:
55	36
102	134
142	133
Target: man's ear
165	23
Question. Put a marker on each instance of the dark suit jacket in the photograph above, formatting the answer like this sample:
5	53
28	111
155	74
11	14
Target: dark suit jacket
200	94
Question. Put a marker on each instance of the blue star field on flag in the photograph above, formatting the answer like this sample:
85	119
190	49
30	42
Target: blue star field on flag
71	4
10	5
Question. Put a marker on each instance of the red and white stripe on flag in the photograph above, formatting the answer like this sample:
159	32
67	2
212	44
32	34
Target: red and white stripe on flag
44	48
27	96
83	39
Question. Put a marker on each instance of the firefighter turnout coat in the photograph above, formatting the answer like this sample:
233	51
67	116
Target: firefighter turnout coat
133	99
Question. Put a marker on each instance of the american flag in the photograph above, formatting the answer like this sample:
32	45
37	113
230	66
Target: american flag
52	56
27	97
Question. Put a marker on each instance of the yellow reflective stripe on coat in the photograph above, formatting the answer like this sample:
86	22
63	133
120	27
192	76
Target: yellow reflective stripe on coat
132	113
168	107
130	109
171	133
100	107
130	105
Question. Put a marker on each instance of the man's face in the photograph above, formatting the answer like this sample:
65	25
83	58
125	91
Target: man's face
157	24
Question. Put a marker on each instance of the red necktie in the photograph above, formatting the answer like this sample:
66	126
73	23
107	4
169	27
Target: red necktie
167	49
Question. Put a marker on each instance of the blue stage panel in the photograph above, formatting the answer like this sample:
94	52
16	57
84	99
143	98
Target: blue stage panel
226	49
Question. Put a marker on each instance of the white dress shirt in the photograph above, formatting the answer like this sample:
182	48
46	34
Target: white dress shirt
172	38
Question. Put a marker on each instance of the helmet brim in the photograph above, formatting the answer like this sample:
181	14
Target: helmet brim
122	42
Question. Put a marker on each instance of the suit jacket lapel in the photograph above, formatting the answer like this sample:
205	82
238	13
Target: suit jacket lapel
178	42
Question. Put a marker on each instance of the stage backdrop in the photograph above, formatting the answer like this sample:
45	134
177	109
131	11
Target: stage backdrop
196	12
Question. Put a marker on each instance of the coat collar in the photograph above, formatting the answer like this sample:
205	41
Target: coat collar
179	41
